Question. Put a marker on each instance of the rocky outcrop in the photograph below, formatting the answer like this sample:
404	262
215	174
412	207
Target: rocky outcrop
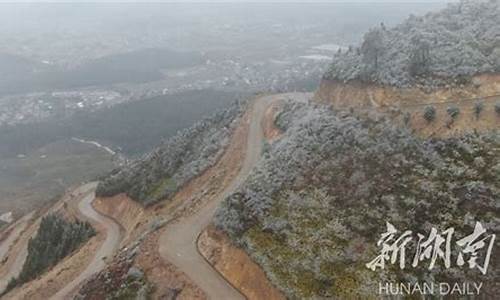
120	280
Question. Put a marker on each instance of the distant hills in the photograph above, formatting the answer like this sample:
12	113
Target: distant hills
445	47
21	75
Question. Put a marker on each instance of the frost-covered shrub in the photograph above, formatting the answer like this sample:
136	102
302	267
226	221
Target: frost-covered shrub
429	113
478	108
446	47
287	114
160	173
453	112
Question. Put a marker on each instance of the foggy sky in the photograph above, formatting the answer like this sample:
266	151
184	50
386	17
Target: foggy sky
232	1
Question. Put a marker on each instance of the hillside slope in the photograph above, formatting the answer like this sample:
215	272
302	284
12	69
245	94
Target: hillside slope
447	61
161	239
312	211
44	257
159	174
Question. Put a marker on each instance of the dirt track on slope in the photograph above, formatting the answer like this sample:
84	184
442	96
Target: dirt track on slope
113	237
13	237
19	249
15	232
178	243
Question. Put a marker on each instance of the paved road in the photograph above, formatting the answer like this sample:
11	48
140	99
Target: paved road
178	243
113	238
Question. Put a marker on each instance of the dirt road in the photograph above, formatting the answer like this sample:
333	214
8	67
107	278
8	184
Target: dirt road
15	268
113	238
17	228
178	243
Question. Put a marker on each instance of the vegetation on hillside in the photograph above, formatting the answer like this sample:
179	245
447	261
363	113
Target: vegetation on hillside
159	174
439	48
311	212
56	238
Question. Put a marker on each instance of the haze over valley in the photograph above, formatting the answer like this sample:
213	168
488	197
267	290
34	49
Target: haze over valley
249	150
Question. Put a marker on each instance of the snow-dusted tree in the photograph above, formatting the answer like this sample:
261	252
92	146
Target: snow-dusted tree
373	47
442	48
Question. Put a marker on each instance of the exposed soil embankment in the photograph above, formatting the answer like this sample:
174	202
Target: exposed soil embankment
236	266
122	209
445	126
271	132
356	94
413	101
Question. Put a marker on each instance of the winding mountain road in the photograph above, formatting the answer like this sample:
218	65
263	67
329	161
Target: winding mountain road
111	243
16	267
178	243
